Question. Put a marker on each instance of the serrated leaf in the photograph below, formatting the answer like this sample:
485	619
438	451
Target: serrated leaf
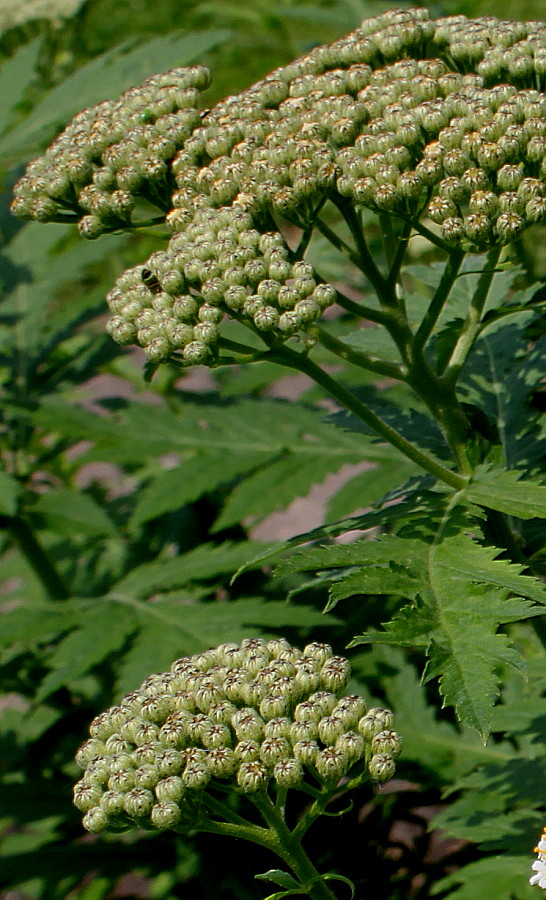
106	77
101	631
69	512
505	877
206	562
272	488
506	492
391	579
462	598
444	749
184	484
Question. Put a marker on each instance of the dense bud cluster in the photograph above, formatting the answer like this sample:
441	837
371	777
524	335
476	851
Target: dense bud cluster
114	153
247	714
442	120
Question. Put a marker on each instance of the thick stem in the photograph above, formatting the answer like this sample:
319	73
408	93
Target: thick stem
292	851
287	357
36	556
364	258
472	323
363	360
438	301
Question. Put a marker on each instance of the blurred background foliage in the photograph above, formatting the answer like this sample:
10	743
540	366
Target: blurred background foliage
91	458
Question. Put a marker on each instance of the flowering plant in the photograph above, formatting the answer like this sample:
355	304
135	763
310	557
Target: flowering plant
369	216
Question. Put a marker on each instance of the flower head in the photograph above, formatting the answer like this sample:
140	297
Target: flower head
150	759
539	866
406	116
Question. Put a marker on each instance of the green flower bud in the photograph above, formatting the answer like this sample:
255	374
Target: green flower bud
166	815
331	764
375	721
387	742
112	803
222	762
330	728
306	751
196	776
247	724
170	789
96	820
121	781
146	776
138	803
352	745
288	773
169	762
335	674
381	767
86	796
277	727
274	749
247	750
252	776
93	747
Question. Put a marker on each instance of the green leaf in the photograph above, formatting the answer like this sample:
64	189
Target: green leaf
204	563
102	630
429	740
196	476
463	598
277	876
10	491
15	76
505	492
105	78
368	487
505	877
31	624
68	512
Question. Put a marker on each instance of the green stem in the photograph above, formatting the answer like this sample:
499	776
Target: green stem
292	851
391	244
398	256
338	242
472	323
286	357
36	556
362	360
436	305
365	261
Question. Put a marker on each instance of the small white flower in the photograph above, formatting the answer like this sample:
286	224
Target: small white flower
539	866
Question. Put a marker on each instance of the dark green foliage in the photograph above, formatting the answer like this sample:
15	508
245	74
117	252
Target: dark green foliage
128	508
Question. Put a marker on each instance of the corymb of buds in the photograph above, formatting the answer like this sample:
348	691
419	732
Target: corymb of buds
239	716
370	120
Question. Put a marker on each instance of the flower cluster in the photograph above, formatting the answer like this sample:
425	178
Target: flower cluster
244	715
442	120
539	866
13	15
113	154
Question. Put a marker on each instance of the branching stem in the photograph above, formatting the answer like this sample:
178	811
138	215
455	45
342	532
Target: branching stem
472	323
287	357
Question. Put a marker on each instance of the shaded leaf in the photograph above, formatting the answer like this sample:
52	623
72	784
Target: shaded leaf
507	493
68	512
